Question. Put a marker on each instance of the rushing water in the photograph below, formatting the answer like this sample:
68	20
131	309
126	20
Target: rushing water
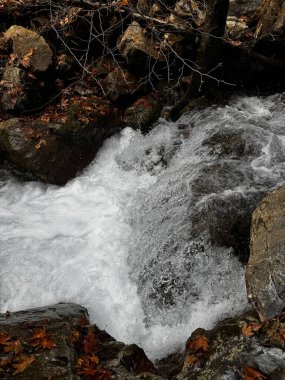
143	237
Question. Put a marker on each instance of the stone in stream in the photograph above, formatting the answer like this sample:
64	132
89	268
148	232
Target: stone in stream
57	151
237	348
265	274
58	342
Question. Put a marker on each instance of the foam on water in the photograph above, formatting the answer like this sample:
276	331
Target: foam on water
120	233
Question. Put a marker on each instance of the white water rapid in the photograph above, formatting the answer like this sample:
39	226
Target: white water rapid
143	237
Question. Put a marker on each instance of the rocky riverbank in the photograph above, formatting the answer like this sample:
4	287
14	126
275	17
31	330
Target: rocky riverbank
66	85
58	342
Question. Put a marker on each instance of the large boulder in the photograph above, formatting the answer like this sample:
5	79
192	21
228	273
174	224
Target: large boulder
58	342
238	348
32	45
136	46
265	274
56	150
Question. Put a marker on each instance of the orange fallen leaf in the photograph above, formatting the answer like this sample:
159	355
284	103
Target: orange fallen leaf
199	343
87	364
14	346
89	342
249	329
250	373
23	361
26	59
75	336
40	339
191	360
5	361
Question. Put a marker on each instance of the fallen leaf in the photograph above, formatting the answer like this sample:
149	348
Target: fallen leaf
199	343
88	364
26	59
75	336
40	339
250	373
22	362
191	360
5	361
249	329
41	143
90	342
14	346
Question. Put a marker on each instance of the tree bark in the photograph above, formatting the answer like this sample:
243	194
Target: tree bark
209	60
208	67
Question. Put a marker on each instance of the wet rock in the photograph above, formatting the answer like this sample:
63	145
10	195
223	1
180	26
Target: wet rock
190	9
120	83
235	348
265	274
56	151
26	41
19	91
144	112
136	47
60	343
57	323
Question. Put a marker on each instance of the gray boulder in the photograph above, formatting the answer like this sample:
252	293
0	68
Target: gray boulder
25	42
265	274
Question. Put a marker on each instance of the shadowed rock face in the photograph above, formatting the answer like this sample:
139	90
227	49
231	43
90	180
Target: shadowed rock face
56	152
265	274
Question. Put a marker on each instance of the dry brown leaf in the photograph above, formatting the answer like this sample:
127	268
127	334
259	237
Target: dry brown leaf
26	59
90	342
249	329
250	373
5	361
41	143
191	360
88	364
22	362
14	346
199	343
40	339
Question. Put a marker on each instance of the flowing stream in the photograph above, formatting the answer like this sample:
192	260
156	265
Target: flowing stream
149	238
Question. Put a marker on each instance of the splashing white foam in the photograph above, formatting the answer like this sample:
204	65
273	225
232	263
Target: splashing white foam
89	242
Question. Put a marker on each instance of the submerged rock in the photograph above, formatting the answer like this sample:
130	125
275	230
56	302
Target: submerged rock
265	274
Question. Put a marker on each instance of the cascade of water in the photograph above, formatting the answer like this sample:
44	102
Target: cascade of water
147	237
